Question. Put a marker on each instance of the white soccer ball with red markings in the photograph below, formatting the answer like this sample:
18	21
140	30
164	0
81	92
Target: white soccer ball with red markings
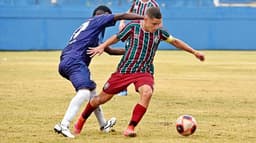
186	125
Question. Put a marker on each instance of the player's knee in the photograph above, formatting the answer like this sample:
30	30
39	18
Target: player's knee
146	91
145	98
93	93
84	94
147	94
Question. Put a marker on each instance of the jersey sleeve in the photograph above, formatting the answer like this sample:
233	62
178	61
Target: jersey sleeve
106	20
125	32
167	37
164	35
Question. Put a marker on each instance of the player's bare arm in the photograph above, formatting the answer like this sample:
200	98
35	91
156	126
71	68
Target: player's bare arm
128	16
100	49
114	51
182	45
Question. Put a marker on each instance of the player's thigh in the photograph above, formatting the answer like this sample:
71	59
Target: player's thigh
116	83
145	90
81	78
143	79
65	67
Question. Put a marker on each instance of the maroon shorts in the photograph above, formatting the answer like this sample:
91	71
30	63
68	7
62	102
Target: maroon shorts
119	81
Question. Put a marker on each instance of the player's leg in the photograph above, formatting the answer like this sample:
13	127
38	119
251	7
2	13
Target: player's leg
139	110
79	75
98	112
63	127
94	103
105	126
74	106
144	86
81	97
112	86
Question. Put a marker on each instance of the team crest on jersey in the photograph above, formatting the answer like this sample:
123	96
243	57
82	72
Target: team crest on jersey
156	40
106	85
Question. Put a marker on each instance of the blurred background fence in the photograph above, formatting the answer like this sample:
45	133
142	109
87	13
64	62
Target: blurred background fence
205	24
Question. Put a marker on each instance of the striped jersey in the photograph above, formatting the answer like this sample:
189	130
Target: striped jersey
140	48
140	7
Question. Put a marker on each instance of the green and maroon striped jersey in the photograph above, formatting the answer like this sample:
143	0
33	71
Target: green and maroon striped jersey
140	48
140	7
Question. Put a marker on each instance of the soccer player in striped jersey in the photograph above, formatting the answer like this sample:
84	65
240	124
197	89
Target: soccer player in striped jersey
74	64
137	7
136	65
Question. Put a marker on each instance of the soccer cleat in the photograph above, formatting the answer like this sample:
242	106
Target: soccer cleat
129	132
123	93
79	125
60	129
109	124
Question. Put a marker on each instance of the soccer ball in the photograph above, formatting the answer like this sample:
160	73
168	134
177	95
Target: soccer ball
186	125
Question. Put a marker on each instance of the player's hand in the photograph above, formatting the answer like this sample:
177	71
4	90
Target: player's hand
199	55
92	51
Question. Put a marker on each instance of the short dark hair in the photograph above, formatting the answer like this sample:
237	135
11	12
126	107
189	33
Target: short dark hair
102	8
154	12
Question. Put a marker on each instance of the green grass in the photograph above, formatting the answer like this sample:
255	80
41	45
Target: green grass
220	93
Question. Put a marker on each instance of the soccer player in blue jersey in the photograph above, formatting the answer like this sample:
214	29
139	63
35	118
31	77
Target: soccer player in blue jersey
136	65
74	64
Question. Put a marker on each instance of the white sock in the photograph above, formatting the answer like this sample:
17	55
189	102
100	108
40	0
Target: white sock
82	95
98	112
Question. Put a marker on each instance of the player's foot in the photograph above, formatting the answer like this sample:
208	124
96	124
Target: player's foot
123	93
129	132
63	130
79	125
109	124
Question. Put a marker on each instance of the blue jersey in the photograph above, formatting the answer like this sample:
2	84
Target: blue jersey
87	35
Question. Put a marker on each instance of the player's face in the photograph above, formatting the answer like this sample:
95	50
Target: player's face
152	24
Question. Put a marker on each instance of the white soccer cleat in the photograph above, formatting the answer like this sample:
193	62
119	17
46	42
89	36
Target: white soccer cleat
63	130
109	124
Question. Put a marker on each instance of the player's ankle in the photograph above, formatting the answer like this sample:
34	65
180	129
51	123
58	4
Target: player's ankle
131	127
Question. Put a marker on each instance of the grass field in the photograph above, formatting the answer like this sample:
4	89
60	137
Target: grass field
220	93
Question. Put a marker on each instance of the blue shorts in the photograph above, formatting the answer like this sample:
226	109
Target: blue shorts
77	72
